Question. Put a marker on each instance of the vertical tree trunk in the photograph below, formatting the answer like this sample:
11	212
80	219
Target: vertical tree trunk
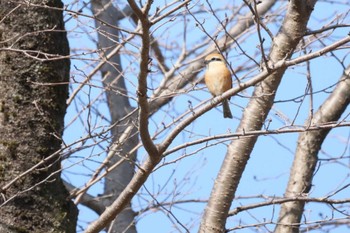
238	153
32	107
119	107
306	156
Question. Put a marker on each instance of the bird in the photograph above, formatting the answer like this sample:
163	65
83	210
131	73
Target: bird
218	79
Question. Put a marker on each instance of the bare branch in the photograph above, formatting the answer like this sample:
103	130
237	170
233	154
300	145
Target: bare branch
86	199
142	79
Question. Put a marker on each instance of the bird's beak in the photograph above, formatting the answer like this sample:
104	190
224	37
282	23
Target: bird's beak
205	64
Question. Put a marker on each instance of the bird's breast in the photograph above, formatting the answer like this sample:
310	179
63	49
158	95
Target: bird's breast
218	80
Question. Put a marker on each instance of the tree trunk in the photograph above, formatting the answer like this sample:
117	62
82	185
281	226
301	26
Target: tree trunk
119	107
238	153
34	87
306	156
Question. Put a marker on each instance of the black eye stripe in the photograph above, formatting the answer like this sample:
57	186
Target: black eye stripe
212	59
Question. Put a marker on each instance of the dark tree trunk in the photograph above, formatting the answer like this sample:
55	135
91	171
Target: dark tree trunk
33	92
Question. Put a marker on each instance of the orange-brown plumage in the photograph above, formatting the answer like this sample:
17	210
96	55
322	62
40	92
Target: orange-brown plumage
218	78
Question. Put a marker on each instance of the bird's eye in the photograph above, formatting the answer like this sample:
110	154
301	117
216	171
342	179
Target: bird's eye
215	59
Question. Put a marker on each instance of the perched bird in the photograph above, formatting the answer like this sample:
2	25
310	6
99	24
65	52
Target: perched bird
218	79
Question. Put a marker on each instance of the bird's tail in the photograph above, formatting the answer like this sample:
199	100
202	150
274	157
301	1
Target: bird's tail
226	109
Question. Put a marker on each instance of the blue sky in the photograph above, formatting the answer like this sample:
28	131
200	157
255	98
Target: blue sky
193	177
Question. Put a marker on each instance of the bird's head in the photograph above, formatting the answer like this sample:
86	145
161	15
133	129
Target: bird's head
214	57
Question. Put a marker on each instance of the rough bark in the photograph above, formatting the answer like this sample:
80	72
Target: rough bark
32	108
306	156
292	30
